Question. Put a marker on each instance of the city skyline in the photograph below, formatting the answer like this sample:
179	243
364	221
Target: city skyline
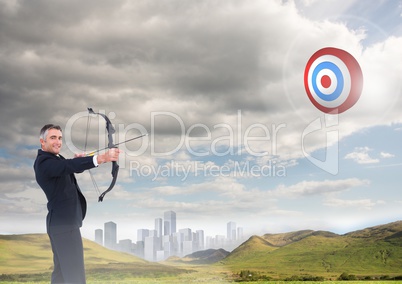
155	245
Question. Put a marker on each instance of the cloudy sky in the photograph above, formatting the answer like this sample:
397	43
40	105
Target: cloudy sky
218	86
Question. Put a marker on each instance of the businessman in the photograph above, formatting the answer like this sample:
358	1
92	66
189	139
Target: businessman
66	203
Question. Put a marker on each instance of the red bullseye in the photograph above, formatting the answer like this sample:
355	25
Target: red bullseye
333	80
325	81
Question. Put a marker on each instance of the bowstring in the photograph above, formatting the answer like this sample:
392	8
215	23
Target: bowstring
85	150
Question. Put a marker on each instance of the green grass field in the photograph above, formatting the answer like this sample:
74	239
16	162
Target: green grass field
27	257
374	253
209	281
371	252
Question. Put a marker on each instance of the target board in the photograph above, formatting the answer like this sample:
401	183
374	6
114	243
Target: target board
333	80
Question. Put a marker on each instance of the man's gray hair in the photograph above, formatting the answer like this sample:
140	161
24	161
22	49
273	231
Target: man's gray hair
45	129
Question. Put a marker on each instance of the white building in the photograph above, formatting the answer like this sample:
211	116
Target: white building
110	235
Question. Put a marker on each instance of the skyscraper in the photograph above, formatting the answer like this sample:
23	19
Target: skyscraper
158	227
150	248
110	235
126	246
99	236
240	233
231	231
169	224
142	234
199	240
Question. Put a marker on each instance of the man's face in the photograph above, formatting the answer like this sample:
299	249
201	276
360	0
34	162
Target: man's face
52	142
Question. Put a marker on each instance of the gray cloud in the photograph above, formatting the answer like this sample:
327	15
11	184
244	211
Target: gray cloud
311	188
201	60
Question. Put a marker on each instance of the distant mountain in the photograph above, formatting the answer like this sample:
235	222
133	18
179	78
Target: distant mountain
372	251
388	231
255	245
208	256
288	238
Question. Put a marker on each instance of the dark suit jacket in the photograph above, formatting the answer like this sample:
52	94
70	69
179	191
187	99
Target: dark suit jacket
66	204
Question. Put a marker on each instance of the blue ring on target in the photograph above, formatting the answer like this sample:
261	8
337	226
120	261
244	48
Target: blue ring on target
339	87
341	95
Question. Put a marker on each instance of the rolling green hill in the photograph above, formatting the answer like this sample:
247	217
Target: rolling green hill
208	256
372	251
28	254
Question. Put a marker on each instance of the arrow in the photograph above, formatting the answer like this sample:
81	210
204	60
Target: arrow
131	139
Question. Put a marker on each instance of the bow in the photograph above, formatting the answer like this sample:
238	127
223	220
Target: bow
115	167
